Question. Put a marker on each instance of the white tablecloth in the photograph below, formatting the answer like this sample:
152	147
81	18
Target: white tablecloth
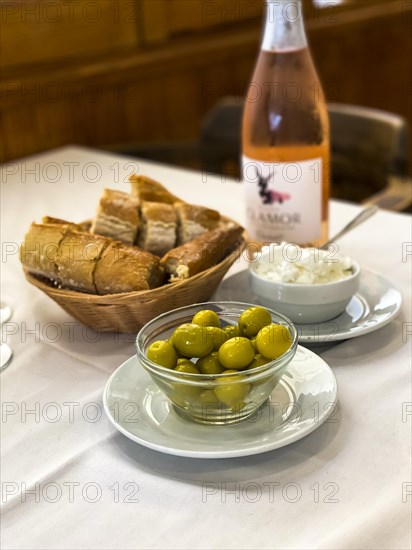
70	480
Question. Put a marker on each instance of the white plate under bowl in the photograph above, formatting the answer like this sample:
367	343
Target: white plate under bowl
375	304
304	398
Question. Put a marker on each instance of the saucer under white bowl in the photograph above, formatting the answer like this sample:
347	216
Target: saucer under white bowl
304	398
375	304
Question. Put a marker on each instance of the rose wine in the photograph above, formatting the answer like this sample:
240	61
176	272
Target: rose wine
286	137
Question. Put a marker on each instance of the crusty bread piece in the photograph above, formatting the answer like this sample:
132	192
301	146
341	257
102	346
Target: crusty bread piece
194	220
39	251
77	259
88	263
117	216
58	221
123	268
82	226
158	227
201	253
146	189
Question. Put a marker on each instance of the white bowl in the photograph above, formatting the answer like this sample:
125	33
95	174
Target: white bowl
307	303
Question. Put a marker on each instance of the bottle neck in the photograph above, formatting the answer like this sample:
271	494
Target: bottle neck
284	28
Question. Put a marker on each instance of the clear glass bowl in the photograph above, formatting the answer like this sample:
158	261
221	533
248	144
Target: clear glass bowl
193	395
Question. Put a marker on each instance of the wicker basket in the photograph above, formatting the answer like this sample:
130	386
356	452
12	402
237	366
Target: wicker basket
128	312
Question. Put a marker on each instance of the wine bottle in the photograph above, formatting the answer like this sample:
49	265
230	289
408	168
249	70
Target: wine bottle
285	136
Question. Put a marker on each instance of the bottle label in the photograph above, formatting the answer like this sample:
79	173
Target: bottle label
283	200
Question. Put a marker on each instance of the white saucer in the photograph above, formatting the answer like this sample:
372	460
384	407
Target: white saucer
302	401
374	306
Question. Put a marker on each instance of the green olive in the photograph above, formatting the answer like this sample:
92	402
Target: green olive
192	340
183	393
273	340
253	319
237	353
162	353
231	391
208	397
206	318
188	367
258	361
184	361
218	335
171	389
210	364
232	330
253	342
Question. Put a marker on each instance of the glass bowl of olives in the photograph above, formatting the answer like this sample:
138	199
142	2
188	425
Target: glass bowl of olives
217	362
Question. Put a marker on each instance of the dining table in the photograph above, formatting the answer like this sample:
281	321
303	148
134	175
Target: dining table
71	480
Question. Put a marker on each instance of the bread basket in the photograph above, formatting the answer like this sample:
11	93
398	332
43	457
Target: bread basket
128	312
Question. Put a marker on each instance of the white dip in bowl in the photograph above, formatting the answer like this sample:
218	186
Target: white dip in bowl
308	285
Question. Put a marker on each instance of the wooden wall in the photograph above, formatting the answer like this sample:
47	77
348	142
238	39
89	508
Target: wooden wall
119	71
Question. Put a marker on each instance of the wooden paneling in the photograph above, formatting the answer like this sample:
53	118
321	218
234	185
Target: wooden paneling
365	57
154	24
189	15
34	31
166	19
148	97
153	77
